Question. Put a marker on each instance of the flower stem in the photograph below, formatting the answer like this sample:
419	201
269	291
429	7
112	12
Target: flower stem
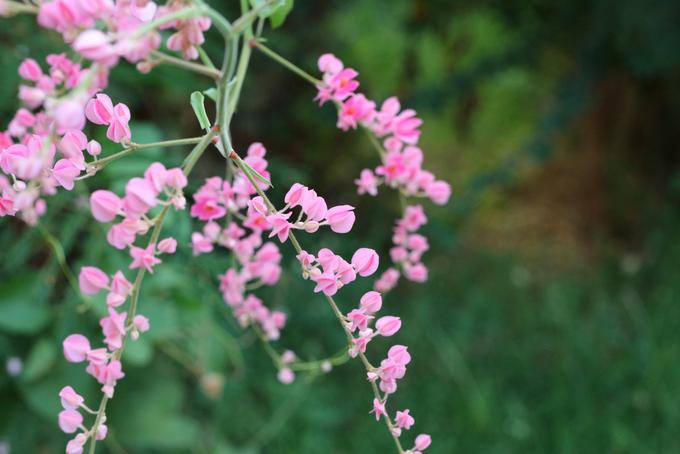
141	146
189	66
287	63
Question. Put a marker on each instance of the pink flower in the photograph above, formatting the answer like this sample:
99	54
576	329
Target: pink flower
378	409
330	64
141	323
167	245
94	148
119	131
358	320
96	46
76	347
76	445
306	259
439	192
70	399
343	83
404	420
99	110
295	195
414	217
365	261
65	172
416	273
120	285
92	280
341	218
279	225
155	174
175	178
113	328
122	234
200	244
29	69
399	354
355	110
144	258
70	421
388	326
405	127
367	183
286	376
423	441
207	208
105	205
359	344
371	302
314	206
140	196
327	283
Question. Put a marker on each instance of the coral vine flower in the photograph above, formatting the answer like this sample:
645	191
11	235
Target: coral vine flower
144	258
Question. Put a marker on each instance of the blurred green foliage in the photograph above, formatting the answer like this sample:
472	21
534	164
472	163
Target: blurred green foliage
550	322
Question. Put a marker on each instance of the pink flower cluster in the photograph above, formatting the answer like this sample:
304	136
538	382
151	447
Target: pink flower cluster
122	36
245	221
189	34
330	272
104	363
44	146
402	159
141	195
408	250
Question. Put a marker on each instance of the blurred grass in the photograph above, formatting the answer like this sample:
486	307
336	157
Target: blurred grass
550	320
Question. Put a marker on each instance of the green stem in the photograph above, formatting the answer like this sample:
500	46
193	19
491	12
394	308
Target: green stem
98	164
189	66
17	8
287	63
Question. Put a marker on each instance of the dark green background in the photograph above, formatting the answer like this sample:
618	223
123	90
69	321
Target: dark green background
551	319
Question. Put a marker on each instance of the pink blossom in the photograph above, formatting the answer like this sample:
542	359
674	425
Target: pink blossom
207	208
330	64
359	343
439	192
371	302
341	218
29	69
144	258
141	323
423	441
70	399
120	285
105	205
92	280
123	234
65	172
399	354
404	420
295	195
314	206
279	225
94	148
75	446
306	259
365	261
175	178
416	273
76	347
119	131
70	421
378	409
113	328
96	46
286	376
167	245
155	174
140	196
99	110
388	326
367	183
200	244
327	283
356	109
343	83
358	320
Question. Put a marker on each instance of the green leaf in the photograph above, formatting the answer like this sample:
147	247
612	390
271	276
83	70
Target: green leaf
198	104
40	360
255	174
22	304
279	16
211	93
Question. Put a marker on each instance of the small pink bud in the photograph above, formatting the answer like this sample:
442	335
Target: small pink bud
92	280
105	205
388	326
341	218
439	192
94	148
70	421
167	246
423	441
286	376
141	323
371	302
70	399
365	261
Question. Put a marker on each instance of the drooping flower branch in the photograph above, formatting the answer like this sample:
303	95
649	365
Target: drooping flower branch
45	147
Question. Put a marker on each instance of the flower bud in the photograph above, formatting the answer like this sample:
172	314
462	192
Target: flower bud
365	261
92	280
70	420
105	205
388	326
341	218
